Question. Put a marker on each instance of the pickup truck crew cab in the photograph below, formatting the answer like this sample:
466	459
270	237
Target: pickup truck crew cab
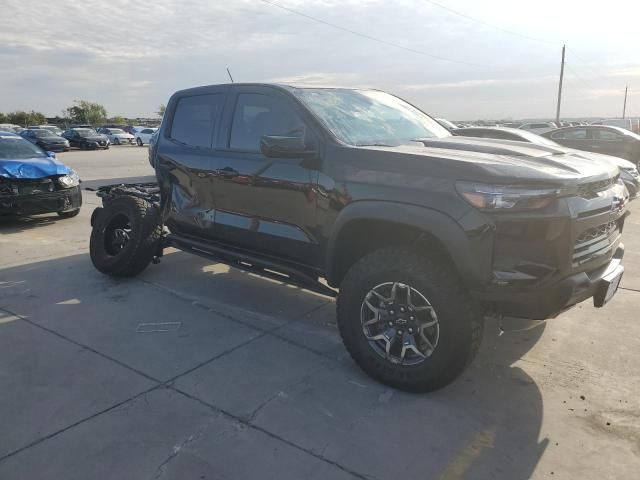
419	234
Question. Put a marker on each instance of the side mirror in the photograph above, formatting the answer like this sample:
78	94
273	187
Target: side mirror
51	154
280	146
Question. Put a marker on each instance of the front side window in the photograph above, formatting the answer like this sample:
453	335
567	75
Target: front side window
369	117
257	115
579	134
195	119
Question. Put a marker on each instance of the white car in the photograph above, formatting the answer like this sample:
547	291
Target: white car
117	136
538	127
143	136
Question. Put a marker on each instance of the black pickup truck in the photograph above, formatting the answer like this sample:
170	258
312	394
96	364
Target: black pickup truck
360	195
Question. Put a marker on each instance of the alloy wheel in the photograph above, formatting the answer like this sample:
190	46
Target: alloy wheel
399	323
117	234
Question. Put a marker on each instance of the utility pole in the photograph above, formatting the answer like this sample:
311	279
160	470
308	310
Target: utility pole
560	86
624	108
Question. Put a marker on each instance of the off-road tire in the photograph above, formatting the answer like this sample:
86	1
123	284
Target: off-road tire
145	232
69	214
460	320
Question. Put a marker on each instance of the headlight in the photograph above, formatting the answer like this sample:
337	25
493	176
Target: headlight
632	172
70	180
510	198
66	143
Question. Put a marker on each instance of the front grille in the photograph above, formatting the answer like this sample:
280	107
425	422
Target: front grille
591	189
27	187
595	242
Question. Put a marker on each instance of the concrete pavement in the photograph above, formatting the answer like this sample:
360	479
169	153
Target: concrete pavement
241	377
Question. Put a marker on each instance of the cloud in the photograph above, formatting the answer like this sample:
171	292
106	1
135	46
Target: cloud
131	56
465	84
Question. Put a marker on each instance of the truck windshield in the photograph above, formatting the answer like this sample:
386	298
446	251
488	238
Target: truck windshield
369	117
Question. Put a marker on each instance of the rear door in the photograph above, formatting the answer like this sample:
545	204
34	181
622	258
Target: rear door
185	159
264	204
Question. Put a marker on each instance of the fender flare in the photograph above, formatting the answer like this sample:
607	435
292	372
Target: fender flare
445	229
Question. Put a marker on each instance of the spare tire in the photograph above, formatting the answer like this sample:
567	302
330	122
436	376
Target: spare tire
125	236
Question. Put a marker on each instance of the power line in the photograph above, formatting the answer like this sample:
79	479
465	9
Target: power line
375	39
583	62
482	22
579	77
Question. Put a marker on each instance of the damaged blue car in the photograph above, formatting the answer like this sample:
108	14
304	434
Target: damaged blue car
33	181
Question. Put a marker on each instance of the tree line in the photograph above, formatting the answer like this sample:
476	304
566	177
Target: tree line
81	112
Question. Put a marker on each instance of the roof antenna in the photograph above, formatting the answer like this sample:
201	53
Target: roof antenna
230	75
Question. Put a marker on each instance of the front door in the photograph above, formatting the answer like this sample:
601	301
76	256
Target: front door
577	138
264	204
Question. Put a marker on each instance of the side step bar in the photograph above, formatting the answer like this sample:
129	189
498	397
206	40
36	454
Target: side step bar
250	263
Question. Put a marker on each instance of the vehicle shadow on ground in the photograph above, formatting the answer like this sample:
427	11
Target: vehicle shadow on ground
15	224
485	425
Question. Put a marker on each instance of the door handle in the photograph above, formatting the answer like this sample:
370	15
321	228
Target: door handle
227	172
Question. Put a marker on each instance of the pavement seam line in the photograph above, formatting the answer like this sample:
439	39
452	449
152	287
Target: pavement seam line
272	435
630	289
75	424
272	331
86	347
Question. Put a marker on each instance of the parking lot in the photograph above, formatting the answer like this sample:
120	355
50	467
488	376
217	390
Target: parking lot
196	371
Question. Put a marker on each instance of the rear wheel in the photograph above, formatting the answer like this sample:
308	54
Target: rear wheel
407	320
125	236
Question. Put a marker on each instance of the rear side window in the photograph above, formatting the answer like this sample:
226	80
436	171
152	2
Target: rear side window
195	119
602	134
257	115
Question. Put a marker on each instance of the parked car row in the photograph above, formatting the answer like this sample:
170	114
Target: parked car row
603	144
44	135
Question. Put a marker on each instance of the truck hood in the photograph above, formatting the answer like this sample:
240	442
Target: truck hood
504	161
32	168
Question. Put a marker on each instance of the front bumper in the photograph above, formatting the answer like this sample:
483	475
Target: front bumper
558	296
56	147
46	202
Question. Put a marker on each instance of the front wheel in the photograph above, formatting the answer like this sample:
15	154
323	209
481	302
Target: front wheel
139	141
69	214
125	236
407	320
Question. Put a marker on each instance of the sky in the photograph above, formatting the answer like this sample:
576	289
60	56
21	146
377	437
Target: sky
457	59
